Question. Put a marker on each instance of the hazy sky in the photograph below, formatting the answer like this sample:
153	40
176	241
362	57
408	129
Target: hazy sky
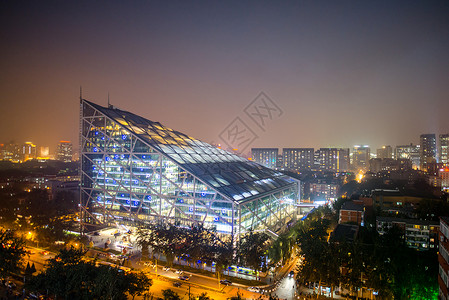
342	72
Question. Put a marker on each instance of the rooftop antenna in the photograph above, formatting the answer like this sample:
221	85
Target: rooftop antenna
81	93
109	104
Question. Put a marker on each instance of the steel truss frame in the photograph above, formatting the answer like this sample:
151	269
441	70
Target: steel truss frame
265	212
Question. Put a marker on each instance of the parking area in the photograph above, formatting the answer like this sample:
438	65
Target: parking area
119	239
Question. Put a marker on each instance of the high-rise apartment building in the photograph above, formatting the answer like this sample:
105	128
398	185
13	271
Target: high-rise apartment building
385	152
64	151
265	156
443	258
444	148
298	158
44	152
134	171
334	159
428	152
360	157
28	151
10	152
411	152
389	164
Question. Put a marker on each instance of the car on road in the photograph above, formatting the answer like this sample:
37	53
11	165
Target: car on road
253	289
96	233
44	252
179	271
177	284
291	274
225	282
184	277
148	264
166	268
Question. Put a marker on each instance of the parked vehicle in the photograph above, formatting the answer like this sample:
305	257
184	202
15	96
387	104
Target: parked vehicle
225	282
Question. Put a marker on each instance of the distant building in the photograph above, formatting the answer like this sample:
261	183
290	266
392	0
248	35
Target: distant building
443	258
10	152
334	159
298	158
444	148
280	162
352	212
444	177
28	151
323	189
418	234
428	152
64	151
360	157
44	152
265	156
385	152
389	164
411	152
394	199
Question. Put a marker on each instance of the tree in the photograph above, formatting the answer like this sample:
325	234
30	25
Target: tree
170	295
312	240
252	249
162	239
138	283
203	296
201	244
11	251
70	277
280	250
223	256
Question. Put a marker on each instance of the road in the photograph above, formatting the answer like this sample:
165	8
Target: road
285	289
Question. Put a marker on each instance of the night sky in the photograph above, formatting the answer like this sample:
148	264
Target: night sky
342	72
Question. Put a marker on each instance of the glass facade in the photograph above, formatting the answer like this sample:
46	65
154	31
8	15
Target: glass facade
135	169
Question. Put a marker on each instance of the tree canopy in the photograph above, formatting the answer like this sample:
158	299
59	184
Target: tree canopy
12	250
70	277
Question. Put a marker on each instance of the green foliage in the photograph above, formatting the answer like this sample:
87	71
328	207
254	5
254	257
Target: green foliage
381	263
138	283
69	277
203	296
223	255
196	243
252	249
170	295
11	251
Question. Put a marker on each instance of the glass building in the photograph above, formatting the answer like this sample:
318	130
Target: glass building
133	169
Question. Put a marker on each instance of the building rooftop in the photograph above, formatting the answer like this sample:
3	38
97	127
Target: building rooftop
409	221
344	232
351	205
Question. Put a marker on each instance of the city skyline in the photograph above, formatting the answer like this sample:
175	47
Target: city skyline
342	73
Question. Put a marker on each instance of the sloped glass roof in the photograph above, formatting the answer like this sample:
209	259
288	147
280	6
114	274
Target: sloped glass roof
229	174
